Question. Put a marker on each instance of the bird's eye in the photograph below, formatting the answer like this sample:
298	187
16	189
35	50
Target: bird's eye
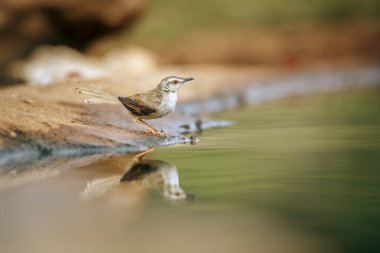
175	81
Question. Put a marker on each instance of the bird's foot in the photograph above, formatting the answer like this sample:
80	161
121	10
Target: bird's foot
156	132
160	133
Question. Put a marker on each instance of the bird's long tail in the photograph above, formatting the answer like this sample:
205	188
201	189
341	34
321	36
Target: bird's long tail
98	94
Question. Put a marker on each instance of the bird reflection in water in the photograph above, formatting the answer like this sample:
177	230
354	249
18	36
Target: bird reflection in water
148	173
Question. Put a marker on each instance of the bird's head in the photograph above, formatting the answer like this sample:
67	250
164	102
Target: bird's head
173	83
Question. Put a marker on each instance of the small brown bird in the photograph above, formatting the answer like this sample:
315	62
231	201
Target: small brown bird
153	104
147	173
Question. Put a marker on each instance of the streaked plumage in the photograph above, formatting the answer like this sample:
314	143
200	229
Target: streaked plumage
149	105
150	173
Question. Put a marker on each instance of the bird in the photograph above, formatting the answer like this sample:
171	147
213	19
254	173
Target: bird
153	104
157	174
148	173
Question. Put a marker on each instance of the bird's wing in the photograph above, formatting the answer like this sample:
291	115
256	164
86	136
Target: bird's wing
139	170
137	105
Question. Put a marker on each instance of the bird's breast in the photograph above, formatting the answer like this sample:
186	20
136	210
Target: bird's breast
168	104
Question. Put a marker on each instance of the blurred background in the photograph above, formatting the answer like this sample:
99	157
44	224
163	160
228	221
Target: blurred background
279	33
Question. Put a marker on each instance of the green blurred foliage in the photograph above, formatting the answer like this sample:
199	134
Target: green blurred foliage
170	19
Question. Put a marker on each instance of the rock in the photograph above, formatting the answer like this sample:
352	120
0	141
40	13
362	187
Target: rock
130	61
52	64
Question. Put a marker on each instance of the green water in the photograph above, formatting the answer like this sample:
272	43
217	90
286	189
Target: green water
297	175
314	162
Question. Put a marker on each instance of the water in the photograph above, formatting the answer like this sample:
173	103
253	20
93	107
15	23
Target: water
297	175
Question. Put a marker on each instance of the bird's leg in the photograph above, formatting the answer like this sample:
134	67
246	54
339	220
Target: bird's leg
141	155
149	126
144	125
140	124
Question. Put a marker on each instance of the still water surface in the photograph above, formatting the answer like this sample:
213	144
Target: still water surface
297	175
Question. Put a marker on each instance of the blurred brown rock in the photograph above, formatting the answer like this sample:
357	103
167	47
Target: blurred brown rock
24	24
51	64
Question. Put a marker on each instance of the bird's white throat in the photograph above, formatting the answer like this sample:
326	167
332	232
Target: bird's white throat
170	99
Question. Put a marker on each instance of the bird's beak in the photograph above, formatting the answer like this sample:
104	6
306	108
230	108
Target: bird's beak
188	79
